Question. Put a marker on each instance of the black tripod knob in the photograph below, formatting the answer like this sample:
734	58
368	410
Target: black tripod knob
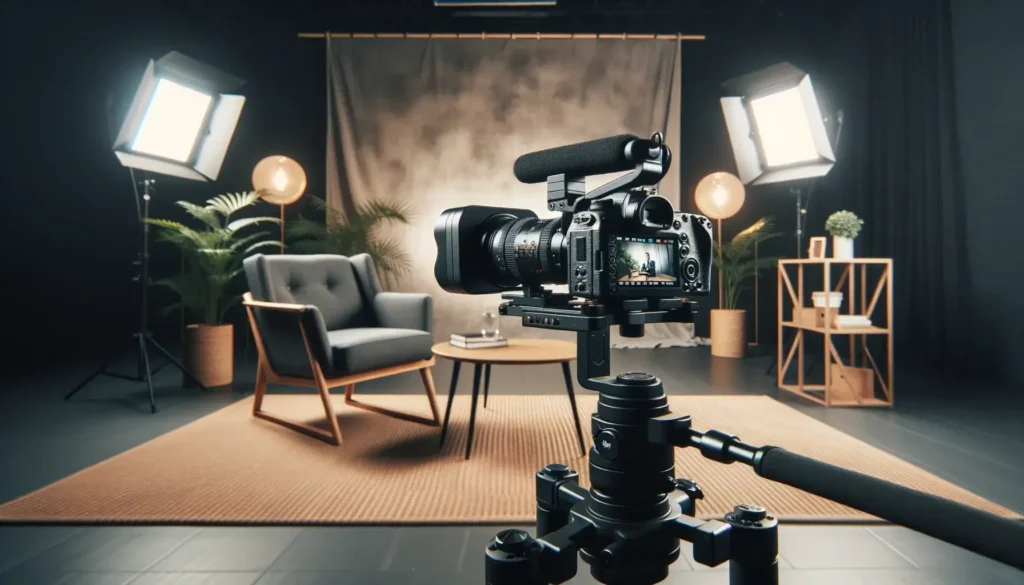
512	559
635	379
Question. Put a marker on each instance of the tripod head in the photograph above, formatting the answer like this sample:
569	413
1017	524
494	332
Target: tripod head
628	525
592	320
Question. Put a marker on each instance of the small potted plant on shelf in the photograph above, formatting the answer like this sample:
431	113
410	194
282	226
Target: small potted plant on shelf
843	226
737	263
213	255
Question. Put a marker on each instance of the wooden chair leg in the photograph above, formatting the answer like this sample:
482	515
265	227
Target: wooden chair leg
261	386
325	396
428	385
333	436
428	382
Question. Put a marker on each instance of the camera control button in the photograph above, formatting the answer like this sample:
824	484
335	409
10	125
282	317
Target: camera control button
581	271
677	224
607	443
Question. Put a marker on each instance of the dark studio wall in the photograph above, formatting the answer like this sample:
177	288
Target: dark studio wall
69	217
989	51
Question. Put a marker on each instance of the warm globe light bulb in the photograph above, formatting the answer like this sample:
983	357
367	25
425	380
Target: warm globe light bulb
720	196
280	179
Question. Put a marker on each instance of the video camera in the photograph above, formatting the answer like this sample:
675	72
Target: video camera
630	256
621	240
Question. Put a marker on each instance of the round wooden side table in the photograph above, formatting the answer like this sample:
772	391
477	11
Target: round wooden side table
518	352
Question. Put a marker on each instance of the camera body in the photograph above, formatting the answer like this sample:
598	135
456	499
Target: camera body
606	261
619	241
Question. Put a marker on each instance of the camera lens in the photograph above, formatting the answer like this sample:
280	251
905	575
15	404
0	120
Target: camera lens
526	251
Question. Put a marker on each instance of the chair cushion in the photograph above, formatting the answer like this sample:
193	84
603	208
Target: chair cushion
332	284
363	349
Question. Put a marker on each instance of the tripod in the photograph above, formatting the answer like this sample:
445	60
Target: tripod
143	340
629	524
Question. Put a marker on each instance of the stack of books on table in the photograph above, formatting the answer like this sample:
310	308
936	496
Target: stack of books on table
842	321
476	340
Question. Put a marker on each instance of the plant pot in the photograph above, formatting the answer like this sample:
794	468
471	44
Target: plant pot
842	248
728	332
210	354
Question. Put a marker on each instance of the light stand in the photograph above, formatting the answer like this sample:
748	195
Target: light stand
142	337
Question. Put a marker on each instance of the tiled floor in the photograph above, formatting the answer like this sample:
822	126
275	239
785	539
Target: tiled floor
975	443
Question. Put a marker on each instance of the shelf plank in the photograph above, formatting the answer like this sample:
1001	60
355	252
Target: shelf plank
839	331
794	261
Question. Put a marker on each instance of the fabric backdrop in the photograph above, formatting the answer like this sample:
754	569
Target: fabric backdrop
438	123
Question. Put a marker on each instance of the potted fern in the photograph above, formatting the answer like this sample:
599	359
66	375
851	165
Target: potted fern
737	263
354	233
843	226
213	254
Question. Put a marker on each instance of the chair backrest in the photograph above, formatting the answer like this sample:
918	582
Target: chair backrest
341	287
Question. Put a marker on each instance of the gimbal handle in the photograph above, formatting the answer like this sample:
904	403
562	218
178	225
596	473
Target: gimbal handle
989	535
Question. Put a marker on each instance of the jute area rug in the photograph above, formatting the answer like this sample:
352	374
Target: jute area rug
232	468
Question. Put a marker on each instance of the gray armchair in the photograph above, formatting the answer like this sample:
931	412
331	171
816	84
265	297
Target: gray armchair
321	322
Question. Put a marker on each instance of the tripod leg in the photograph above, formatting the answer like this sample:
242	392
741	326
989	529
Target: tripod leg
175	361
487	382
472	409
451	398
572	401
92	377
144	353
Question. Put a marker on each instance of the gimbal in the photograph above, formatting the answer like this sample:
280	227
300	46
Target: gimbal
628	525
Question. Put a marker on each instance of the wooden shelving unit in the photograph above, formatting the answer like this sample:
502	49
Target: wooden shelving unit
853	382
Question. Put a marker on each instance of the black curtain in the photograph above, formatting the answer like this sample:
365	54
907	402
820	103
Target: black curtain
900	169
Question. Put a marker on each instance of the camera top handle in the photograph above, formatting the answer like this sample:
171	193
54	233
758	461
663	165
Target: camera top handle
650	160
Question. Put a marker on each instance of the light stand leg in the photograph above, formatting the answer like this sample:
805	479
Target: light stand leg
720	282
177	363
144	358
756	293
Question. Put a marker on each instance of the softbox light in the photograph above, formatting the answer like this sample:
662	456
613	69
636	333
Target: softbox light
181	119
776	127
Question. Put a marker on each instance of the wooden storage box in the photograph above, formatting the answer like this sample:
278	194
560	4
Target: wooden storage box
811	316
850	383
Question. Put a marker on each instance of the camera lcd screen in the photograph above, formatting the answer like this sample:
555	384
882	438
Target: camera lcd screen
646	262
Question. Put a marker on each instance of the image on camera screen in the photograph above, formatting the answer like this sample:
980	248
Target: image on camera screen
649	262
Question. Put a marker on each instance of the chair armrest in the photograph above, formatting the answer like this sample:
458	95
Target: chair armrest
404	310
284	307
286	330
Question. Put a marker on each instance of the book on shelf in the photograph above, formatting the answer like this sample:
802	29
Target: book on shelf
851	321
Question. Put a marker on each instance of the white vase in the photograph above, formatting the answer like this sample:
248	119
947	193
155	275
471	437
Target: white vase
842	248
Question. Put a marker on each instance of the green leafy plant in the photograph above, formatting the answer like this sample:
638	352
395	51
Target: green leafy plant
736	263
844	224
354	233
213	253
626	259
